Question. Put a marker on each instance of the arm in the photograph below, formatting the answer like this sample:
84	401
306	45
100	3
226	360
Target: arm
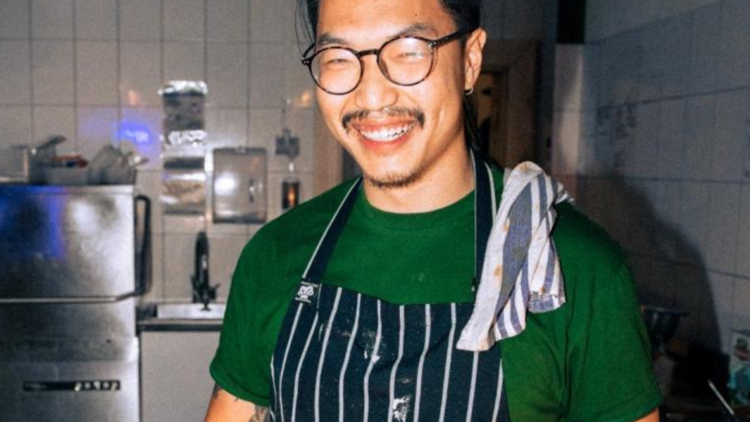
651	417
241	366
608	348
224	407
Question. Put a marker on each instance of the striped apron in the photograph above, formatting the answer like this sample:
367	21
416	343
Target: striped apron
346	356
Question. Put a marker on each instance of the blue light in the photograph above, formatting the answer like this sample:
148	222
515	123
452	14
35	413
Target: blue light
136	132
32	225
55	207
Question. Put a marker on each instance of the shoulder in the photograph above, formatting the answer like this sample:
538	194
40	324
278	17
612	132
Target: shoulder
583	245
602	315
593	265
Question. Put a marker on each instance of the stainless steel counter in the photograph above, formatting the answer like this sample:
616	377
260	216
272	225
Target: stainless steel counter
178	325
179	317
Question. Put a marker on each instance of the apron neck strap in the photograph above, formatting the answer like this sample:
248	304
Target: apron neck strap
484	210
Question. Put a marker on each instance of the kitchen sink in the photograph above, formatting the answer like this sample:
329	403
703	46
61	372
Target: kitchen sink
190	311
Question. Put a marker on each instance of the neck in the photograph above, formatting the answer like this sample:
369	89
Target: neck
436	189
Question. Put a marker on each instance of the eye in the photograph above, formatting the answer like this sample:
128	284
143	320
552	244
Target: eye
410	56
340	61
337	59
406	51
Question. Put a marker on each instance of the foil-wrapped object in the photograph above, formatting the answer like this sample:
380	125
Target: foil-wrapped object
184	118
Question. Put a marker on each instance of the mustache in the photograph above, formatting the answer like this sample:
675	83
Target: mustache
353	116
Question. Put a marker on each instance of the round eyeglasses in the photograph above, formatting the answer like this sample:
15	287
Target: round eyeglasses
404	60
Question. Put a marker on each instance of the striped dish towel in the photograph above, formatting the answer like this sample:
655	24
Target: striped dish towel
521	270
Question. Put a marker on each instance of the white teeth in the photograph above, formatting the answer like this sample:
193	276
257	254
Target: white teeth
385	135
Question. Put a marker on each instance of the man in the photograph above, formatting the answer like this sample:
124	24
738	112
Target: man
350	307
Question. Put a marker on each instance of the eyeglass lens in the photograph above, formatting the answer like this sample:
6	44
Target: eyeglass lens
404	61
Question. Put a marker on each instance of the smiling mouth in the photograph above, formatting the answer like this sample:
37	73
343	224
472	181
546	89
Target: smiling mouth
387	126
389	134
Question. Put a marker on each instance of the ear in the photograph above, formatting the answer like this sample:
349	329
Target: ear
473	57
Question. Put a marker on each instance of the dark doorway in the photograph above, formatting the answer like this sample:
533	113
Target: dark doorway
506	99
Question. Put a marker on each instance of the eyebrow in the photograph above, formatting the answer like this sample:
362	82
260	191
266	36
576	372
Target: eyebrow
415	29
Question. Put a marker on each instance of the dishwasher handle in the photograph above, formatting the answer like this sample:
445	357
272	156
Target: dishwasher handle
143	253
68	300
142	273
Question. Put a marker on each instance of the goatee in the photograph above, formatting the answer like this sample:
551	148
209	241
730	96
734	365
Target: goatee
393	180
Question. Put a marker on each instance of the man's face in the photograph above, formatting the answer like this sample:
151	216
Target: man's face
397	134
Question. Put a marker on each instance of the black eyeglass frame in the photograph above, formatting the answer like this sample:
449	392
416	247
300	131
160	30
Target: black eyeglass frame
433	44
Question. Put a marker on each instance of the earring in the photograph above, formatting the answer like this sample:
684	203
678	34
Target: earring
469	91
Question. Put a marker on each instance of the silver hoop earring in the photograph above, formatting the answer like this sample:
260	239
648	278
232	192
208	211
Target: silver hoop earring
469	91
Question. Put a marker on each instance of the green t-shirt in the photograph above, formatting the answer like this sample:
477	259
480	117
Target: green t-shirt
587	361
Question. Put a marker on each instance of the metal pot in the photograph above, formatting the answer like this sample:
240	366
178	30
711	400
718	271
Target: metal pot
25	164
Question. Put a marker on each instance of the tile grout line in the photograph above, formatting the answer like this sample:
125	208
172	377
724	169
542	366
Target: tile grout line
693	95
738	228
115	104
205	42
162	235
135	41
32	102
680	191
663	179
118	72
248	100
248	75
205	225
687	265
75	77
162	49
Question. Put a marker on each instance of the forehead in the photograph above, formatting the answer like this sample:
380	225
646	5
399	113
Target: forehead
366	21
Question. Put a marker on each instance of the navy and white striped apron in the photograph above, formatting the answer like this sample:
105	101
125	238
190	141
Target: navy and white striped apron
346	356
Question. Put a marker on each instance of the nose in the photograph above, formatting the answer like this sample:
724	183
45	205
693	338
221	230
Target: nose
375	91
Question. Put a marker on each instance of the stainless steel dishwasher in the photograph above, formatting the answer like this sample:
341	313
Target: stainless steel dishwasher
72	262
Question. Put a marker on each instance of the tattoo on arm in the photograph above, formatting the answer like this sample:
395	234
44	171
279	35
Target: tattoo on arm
218	388
261	415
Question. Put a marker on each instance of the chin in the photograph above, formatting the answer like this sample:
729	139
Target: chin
393	180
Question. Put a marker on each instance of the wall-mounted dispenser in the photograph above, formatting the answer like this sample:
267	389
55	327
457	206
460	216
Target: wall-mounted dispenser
183	186
239	185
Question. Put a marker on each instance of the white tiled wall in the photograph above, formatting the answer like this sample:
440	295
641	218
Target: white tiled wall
605	18
81	68
652	122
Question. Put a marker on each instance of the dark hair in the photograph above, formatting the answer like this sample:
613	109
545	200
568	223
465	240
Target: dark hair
467	16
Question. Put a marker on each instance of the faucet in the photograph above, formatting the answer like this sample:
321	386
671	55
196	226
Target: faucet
203	291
